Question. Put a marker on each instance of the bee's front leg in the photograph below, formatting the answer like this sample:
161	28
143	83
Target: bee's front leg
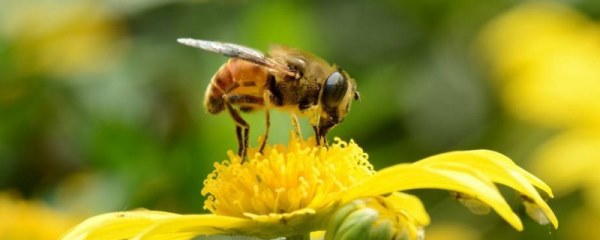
320	135
268	125
325	124
317	136
296	125
270	100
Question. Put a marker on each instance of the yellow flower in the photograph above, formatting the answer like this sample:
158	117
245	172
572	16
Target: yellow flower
285	181
570	162
545	58
60	37
290	191
30	219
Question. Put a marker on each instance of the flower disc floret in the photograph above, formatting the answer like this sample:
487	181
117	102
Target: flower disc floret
290	179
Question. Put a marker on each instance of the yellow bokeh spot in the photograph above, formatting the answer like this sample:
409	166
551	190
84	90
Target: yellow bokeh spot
452	231
569	160
21	219
299	178
61	37
546	60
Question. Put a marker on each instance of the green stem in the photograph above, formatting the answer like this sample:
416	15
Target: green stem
305	236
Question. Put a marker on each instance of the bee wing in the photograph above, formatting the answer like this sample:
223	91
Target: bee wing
237	51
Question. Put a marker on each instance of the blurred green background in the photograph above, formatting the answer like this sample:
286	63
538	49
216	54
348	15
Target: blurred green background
101	110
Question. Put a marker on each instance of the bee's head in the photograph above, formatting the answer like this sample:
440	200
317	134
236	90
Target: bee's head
337	93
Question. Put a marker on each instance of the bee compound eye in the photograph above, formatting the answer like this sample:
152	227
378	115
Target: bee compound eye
334	89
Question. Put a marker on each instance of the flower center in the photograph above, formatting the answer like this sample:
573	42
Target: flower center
285	179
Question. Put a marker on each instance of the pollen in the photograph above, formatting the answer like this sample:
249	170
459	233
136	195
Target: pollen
298	178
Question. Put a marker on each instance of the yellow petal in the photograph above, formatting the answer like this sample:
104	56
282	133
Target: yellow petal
117	225
497	158
188	226
497	168
406	177
410	205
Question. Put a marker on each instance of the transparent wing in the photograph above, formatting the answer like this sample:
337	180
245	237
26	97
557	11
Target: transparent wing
237	51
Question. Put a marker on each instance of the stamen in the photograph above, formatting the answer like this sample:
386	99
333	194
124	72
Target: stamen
285	179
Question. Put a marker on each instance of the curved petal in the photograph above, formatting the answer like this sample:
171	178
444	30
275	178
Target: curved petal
406	177
117	225
410	205
507	162
188	226
499	169
158	225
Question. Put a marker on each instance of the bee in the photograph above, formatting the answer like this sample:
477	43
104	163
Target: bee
287	79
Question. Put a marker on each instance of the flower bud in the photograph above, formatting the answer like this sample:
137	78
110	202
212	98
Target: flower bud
370	218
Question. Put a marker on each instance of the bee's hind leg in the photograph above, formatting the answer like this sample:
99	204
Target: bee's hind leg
238	133
242	136
247	102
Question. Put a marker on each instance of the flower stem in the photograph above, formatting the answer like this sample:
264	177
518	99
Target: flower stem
305	236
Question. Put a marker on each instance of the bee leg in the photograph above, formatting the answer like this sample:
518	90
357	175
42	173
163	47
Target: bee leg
296	125
322	129
247	102
321	140
246	137
317	135
238	133
269	99
240	124
315	119
268	125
